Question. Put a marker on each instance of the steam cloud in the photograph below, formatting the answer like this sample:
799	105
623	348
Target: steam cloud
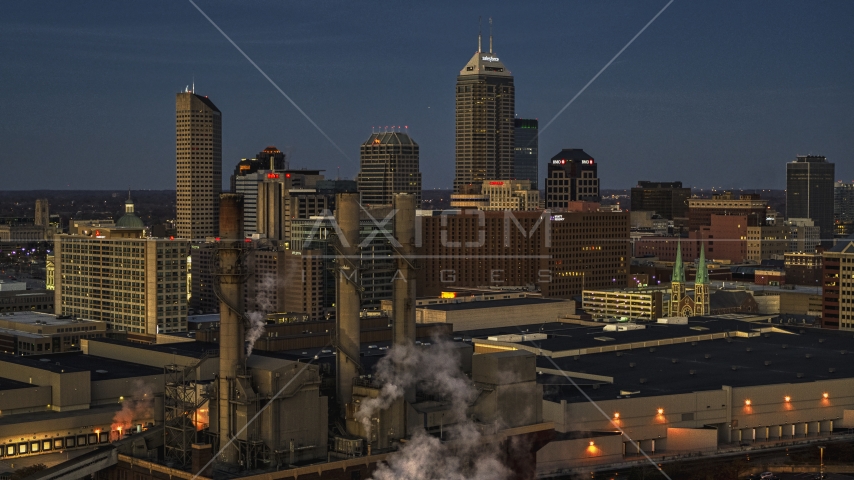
435	369
257	318
140	406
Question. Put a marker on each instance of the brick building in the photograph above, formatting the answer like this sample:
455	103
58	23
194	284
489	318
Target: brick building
560	255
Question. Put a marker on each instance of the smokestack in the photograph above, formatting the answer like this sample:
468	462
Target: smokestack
229	288
347	292
403	324
403	297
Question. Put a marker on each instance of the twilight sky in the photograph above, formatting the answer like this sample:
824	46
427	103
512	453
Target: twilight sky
716	94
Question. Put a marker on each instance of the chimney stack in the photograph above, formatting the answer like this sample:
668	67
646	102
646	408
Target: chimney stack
229	288
347	302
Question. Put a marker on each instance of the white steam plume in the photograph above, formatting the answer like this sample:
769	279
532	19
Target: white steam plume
257	318
436	369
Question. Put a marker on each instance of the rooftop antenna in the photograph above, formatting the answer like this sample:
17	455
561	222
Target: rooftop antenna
490	34
490	49
479	25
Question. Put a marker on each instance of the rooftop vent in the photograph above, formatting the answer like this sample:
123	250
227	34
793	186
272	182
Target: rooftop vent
842	352
821	340
576	357
728	340
632	364
604	339
100	371
674	360
692	372
809	355
595	386
693	344
734	367
802	332
642	380
831	369
708	355
767	362
800	375
45	360
748	349
652	349
619	354
784	346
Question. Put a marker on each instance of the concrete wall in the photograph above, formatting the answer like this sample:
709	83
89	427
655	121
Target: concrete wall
565	454
69	390
22	400
504	316
111	391
692	439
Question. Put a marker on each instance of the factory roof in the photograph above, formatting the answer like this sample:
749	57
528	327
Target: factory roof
54	415
775	356
186	349
571	336
9	384
101	368
476	304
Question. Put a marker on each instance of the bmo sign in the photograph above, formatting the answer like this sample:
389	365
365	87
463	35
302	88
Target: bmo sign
587	162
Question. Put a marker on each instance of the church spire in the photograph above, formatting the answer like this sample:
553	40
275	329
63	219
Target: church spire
678	268
702	270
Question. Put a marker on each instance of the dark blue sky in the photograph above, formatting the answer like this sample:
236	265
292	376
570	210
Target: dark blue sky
719	93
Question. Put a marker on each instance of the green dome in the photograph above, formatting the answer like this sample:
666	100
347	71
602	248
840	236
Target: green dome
130	220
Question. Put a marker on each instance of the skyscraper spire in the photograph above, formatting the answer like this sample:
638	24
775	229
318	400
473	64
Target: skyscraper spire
479	28
702	270
678	269
490	34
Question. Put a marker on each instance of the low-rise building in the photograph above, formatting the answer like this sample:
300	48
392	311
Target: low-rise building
476	315
34	333
631	303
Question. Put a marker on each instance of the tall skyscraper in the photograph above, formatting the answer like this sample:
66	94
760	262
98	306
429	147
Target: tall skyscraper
199	165
843	202
572	177
485	112
809	192
389	165
526	155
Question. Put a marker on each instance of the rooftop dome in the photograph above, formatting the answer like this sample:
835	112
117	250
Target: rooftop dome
129	219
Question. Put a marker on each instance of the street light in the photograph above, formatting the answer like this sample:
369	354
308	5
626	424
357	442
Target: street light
821	462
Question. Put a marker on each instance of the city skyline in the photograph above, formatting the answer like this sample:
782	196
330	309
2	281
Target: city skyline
700	80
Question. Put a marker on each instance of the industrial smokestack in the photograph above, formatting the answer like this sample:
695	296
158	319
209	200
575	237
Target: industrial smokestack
403	325
403	296
229	289
347	296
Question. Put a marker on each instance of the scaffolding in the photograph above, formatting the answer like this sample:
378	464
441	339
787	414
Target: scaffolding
182	400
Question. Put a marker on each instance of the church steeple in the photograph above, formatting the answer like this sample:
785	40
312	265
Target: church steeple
678	268
702	269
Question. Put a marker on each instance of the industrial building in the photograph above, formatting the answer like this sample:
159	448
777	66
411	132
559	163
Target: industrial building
14	297
695	386
838	286
501	312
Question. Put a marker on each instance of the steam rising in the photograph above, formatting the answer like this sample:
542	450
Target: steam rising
257	319
434	369
139	407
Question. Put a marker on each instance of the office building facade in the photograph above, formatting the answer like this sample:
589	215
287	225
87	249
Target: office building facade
668	199
485	113
199	165
810	192
526	154
572	177
134	284
701	210
389	165
843	202
838	286
558	254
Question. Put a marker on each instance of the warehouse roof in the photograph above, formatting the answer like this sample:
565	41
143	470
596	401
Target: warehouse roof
783	355
185	349
101	368
476	304
8	384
